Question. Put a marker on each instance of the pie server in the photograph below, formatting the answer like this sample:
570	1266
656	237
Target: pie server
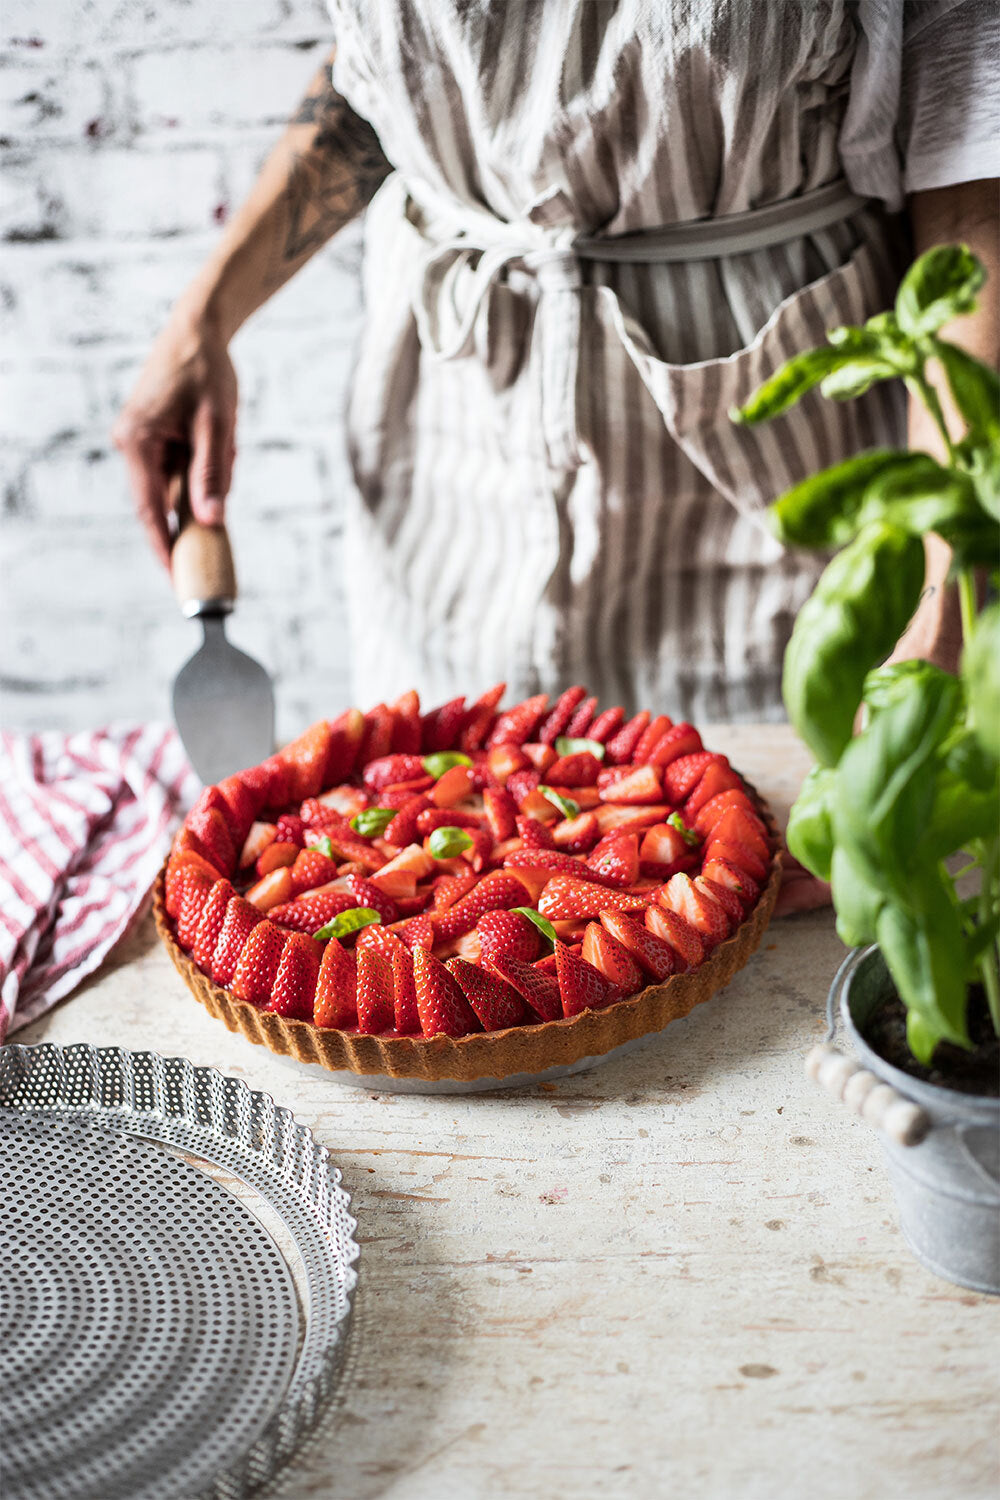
223	700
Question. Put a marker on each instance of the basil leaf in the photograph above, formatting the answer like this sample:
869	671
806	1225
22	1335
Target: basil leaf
855	376
789	384
857	612
566	805
566	746
448	843
984	467
687	834
324	846
373	821
925	952
966	802
975	387
856	902
543	924
919	495
810	823
940	285
443	760
822	510
981	676
346	922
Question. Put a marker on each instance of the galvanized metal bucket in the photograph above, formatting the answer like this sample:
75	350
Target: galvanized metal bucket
948	1187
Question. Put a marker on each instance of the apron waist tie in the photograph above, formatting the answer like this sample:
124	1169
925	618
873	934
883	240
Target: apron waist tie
469	249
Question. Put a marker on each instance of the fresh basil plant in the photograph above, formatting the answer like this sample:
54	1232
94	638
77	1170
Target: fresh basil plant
884	809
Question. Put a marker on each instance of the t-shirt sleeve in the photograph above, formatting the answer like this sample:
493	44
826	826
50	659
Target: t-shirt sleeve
924	105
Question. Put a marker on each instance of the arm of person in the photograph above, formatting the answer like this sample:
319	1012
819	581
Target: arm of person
968	213
322	172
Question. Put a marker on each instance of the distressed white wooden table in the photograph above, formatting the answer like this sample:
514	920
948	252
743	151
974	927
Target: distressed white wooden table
679	1272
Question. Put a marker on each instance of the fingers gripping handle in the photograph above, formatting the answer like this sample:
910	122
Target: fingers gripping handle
201	561
877	1103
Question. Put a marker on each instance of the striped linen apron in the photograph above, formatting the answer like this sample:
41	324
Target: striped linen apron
548	487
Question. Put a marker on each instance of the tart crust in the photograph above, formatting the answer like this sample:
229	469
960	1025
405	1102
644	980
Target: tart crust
485	1054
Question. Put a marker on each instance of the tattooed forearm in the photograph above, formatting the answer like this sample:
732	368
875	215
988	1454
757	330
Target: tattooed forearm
331	176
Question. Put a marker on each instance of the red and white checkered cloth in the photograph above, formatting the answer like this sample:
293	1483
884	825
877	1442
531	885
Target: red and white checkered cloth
85	820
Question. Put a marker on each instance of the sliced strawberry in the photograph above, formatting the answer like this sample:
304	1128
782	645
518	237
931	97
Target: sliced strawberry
174	883
413	858
503	761
541	990
540	756
240	920
577	835
269	783
391	769
616	859
658	958
650	738
259	836
611	959
441	1004
534	804
603	728
697	907
681	936
274	889
346	734
290	829
682	775
727	899
336	1002
416	932
194	891
740	855
454	786
737	826
367	893
557	719
406	724
480	718
257	965
377	738
498	891
664	851
567	899
376	1006
517	724
212	831
583	716
347	845
682	739
496	1003
534	835
630	785
612	817
712	811
441	727
579	769
621	745
308	757
501	813
508	933
403	828
277	856
522	783
719	777
721	872
581	986
294	988
346	800
312	869
451	888
309	913
208	798
213	914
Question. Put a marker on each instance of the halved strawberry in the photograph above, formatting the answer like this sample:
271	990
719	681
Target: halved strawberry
581	986
577	835
414	859
737	826
495	892
194	890
451	888
273	889
611	959
651	737
441	1004
740	855
368	894
630	785
681	936
579	769
346	734
444	817
727	899
700	910
508	933
294	986
311	869
348	845
406	724
621	745
454	786
521	784
213	914
376	1007
567	899
658	958
496	1003
612	815
377	738
441	727
290	829
346	800
501	813
605	726
416	932
336	1001
616	859
239	807
682	775
541	990
517	724
240	920
276	856
534	835
578	727
212	831
683	739
503	761
259	836
665	850
718	777
549	862
723	873
712	811
388	770
174	882
307	758
269	783
402	831
540	756
556	720
257	965
480	718
309	913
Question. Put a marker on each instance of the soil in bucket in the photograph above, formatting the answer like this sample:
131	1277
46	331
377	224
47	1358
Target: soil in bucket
951	1067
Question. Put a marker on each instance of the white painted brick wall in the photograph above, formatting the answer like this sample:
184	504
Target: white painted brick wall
127	131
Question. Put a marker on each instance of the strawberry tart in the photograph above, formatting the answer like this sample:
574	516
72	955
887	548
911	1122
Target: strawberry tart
469	893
